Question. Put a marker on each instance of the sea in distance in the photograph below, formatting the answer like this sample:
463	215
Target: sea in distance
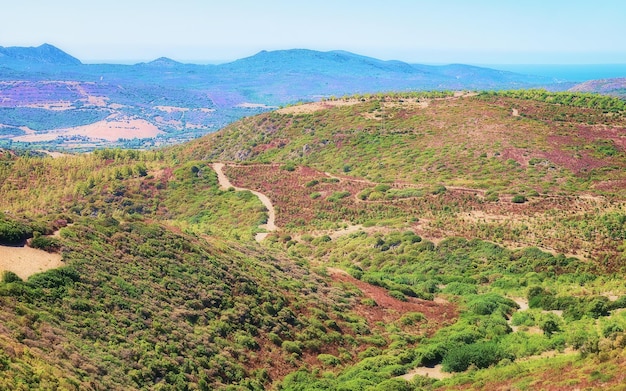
566	73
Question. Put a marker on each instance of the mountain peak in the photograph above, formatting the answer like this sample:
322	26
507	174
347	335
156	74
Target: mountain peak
164	62
43	54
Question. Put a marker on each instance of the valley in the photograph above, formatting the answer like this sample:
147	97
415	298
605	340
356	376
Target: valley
409	240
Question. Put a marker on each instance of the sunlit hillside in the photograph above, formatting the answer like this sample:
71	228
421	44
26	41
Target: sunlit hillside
419	241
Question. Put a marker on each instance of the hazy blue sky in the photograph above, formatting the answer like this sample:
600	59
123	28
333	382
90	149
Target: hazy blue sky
435	31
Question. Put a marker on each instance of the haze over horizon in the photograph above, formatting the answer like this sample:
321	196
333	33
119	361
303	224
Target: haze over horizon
450	31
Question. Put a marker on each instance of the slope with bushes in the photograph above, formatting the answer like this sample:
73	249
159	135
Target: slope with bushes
472	232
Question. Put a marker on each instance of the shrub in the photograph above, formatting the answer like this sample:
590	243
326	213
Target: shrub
291	347
369	302
328	359
611	329
439	189
393	385
312	183
55	278
411	318
246	341
550	325
382	188
523	318
338	195
481	354
397	295
460	289
491	196
519	199
376	196
9	276
45	243
12	232
275	339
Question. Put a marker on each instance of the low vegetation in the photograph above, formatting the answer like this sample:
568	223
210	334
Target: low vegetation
412	234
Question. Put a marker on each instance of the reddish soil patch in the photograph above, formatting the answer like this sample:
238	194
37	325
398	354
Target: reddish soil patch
277	143
601	133
390	309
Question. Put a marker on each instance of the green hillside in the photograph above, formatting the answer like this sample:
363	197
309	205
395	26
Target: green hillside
479	235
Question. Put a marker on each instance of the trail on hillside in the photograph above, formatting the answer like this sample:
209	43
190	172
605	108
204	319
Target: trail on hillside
225	184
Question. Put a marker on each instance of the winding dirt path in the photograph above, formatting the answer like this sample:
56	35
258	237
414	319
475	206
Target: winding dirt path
225	184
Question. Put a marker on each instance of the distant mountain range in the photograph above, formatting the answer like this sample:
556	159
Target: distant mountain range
183	101
328	73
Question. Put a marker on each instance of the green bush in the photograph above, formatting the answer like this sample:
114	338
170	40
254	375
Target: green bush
439	189
460	289
291	347
519	199
328	359
45	243
288	167
9	276
523	318
393	385
382	188
550	324
397	295
375	196
369	302
411	318
312	183
338	195
12	232
275	339
481	355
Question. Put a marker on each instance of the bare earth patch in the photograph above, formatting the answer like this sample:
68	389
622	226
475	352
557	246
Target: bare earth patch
248	105
435	372
26	261
389	309
308	108
171	109
110	130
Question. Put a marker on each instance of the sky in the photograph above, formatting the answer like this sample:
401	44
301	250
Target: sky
415	31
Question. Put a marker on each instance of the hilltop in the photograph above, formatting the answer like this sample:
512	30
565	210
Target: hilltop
509	142
615	87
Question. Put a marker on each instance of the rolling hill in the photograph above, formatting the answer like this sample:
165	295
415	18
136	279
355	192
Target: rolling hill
424	241
614	87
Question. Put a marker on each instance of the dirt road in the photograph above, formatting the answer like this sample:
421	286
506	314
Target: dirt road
225	184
